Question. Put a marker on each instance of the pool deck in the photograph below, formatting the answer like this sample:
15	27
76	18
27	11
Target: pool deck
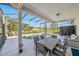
10	48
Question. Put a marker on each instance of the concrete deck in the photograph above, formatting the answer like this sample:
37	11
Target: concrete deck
10	48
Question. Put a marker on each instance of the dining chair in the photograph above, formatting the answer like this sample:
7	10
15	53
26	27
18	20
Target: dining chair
36	38
54	36
41	49
60	49
42	37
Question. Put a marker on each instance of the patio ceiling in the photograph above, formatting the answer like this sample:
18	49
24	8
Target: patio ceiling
54	11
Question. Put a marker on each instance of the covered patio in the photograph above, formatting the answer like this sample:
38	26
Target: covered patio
50	13
10	48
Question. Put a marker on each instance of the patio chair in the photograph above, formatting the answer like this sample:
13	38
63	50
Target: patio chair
60	49
54	36
36	38
42	37
41	50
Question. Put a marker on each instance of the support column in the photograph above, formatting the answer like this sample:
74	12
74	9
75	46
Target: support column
20	28
45	28
5	25
52	28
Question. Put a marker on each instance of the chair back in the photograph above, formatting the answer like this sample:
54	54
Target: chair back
36	38
60	49
42	37
53	36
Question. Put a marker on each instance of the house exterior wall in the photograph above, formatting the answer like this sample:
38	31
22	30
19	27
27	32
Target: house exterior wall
76	22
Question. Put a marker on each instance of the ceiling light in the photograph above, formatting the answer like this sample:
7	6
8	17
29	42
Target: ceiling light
57	14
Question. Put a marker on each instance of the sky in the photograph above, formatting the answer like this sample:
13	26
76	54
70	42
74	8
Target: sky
10	10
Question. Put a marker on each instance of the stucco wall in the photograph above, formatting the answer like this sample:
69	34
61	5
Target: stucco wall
76	22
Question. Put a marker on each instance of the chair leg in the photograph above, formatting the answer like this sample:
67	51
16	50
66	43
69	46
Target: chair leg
36	50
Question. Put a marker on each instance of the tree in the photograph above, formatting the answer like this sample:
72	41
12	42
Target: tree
26	28
12	26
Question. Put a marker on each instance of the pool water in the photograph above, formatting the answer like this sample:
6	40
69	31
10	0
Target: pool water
75	52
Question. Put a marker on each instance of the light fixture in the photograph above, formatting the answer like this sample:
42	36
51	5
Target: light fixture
57	14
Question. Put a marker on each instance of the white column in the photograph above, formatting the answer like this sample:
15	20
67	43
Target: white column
45	28
20	28
54	28
5	24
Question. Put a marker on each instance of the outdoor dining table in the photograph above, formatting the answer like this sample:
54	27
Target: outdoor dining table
48	43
